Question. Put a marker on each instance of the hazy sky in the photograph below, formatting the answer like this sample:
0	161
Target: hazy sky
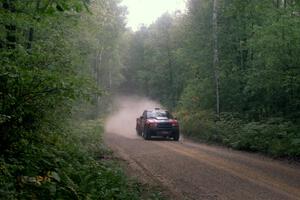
147	11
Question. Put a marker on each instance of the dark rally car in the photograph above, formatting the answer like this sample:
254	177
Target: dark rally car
157	122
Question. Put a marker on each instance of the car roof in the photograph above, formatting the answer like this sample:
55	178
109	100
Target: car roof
156	110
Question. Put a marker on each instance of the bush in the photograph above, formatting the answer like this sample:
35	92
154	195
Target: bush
273	136
64	166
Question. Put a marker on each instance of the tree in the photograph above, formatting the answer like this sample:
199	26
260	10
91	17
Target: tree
216	55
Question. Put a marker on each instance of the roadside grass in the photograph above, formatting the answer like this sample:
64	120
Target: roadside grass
70	165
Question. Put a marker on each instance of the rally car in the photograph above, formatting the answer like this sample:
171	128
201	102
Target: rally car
157	122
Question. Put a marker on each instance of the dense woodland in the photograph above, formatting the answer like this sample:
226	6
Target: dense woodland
59	59
228	69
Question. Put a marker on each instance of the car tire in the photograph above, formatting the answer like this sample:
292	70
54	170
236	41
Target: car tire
138	131
146	134
143	134
176	137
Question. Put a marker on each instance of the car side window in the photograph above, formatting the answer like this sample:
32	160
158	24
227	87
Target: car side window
145	114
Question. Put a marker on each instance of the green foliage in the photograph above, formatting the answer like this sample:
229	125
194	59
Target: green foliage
49	76
274	136
40	72
72	165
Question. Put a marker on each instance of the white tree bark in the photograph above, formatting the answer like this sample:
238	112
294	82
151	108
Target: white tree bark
97	75
216	55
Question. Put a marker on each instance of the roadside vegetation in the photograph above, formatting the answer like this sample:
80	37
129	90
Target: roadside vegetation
58	65
229	69
70	163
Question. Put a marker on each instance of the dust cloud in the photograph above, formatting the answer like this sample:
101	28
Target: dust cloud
128	108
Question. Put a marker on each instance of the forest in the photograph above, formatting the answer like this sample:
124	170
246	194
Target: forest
50	88
228	69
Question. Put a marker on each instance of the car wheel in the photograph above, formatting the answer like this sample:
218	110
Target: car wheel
176	137
146	134
138	131
143	134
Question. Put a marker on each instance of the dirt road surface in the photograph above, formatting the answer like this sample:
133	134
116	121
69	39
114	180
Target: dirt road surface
188	170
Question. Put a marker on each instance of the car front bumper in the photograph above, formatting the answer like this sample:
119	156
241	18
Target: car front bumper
164	131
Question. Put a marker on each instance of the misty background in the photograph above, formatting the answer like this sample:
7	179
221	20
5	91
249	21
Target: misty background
122	120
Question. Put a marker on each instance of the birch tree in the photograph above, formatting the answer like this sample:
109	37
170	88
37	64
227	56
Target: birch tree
216	55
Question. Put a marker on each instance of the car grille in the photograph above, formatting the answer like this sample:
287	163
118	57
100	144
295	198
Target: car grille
164	125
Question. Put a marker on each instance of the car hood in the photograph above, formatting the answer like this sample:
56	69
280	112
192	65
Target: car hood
161	118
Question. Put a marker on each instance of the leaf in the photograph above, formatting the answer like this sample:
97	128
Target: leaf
55	176
296	141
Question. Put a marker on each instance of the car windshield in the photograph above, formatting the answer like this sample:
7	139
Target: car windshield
155	114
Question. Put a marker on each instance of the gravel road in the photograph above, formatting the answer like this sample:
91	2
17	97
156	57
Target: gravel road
197	171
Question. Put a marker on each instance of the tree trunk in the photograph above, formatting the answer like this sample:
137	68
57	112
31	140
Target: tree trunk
11	28
30	38
170	66
98	61
216	55
31	29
